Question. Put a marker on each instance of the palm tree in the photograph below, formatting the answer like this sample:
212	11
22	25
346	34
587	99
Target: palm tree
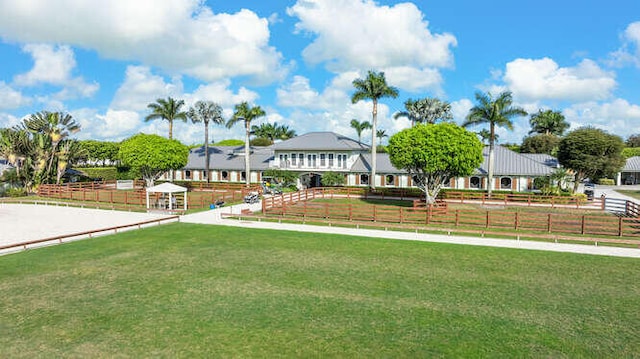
412	112
205	112
359	127
495	112
283	132
381	134
169	110
485	135
273	131
373	87
56	127
548	122
432	109
245	113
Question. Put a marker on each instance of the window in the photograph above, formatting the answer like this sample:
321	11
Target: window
187	174
293	159
224	175
331	160
505	183
323	159
243	176
284	160
389	180
300	159
204	175
364	179
311	160
474	182
342	161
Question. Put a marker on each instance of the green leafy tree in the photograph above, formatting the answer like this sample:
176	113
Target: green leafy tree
540	143
433	154
633	141
629	152
332	179
149	156
100	152
494	112
548	122
359	127
283	177
168	110
245	114
591	153
426	110
206	112
373	87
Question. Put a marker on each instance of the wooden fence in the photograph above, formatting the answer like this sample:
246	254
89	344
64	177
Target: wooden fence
105	192
521	199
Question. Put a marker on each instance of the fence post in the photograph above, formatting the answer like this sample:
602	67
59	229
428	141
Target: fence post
488	220
401	217
457	217
549	222
350	210
582	225
326	210
517	220
619	226
374	213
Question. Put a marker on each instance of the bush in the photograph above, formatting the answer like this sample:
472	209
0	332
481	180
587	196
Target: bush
581	198
329	179
229	143
105	173
260	142
630	152
606	182
16	192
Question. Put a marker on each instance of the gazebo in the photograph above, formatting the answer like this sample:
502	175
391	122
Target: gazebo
169	189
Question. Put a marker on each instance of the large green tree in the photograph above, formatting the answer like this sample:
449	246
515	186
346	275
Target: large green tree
149	156
245	114
433	154
206	112
373	87
168	110
548	122
100	152
591	153
359	127
540	143
495	112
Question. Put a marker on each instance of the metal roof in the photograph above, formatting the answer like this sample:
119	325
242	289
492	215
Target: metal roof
507	163
543	158
229	158
632	165
321	141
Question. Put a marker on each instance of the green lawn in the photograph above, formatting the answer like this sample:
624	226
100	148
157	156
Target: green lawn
181	290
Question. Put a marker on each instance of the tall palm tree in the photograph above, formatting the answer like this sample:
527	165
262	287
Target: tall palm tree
205	112
412	112
432	109
495	112
245	113
56	127
169	109
548	122
359	127
283	132
381	134
373	87
273	131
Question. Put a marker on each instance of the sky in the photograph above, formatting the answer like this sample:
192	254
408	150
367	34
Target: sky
105	61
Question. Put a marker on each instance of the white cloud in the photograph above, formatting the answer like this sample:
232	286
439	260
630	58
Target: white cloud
357	34
141	87
11	98
532	80
8	120
178	35
629	52
460	109
53	65
618	116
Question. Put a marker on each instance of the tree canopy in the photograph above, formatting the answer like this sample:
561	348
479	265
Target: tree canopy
548	122
169	110
433	154
151	155
359	127
591	153
244	113
540	143
205	112
100	152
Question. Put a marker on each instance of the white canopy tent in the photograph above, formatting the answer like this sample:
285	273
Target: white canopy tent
170	189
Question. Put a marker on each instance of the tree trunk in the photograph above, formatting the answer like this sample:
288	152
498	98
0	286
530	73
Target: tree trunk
170	129
247	162
206	149
492	140
372	178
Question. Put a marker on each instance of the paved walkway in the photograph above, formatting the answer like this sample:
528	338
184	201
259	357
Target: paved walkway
214	217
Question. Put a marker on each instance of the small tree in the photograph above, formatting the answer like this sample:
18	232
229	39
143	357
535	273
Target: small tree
149	156
591	153
433	154
540	143
330	179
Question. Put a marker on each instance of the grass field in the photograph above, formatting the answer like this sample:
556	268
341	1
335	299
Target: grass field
182	290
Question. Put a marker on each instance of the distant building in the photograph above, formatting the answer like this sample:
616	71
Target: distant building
312	154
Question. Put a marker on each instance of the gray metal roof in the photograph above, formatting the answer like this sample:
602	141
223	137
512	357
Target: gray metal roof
632	165
229	158
509	163
383	164
543	158
321	141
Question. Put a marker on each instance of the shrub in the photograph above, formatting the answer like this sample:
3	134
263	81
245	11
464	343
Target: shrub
332	179
606	182
580	197
260	141
630	152
16	192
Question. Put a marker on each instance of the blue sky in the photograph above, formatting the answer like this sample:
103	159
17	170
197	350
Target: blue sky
104	61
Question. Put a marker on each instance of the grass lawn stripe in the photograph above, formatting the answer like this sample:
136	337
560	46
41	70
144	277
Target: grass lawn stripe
195	290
